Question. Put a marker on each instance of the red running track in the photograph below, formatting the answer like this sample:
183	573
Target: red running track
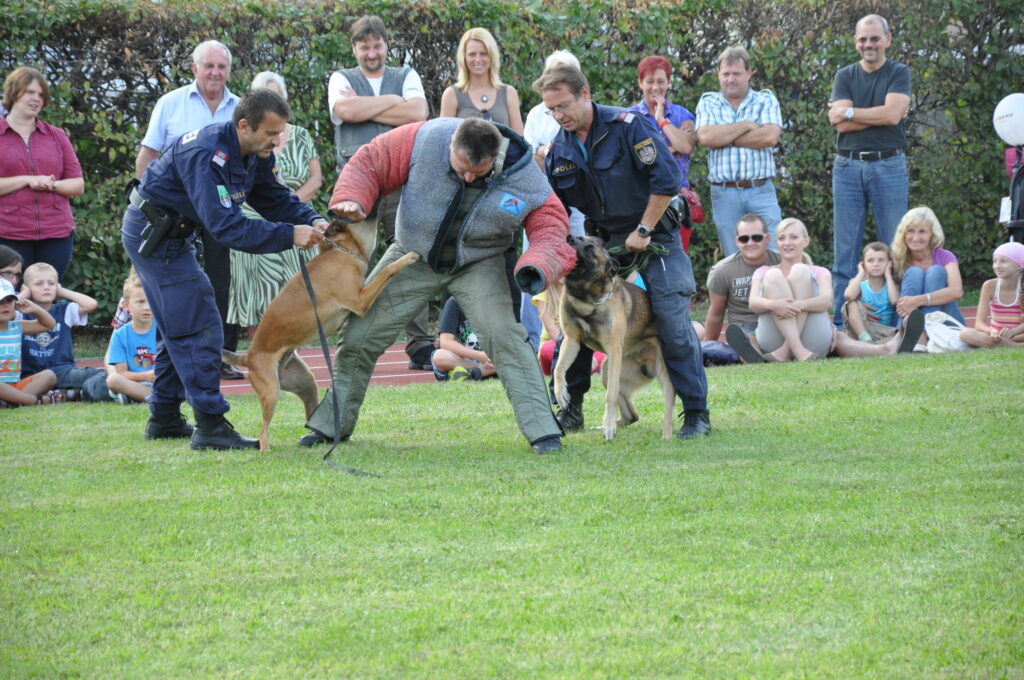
392	367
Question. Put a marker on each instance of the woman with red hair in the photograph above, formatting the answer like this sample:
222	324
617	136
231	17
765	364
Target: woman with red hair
675	122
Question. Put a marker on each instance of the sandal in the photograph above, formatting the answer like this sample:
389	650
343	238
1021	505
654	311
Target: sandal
51	397
911	332
741	344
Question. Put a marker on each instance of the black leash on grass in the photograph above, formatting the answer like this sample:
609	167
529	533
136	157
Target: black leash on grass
330	371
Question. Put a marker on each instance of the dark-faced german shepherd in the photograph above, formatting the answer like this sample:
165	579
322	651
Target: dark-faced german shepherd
603	312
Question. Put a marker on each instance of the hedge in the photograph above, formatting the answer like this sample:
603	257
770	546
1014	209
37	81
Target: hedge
108	62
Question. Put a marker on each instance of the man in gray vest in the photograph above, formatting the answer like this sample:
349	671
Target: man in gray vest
468	188
367	101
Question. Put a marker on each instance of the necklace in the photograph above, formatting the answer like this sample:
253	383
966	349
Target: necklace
484	98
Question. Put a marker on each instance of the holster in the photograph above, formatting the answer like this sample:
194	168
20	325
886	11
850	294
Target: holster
161	223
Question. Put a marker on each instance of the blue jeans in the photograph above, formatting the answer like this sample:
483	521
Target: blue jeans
728	205
855	183
917	281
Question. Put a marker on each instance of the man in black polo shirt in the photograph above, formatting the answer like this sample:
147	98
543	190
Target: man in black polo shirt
870	100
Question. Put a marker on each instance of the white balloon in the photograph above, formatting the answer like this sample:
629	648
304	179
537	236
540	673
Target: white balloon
1008	119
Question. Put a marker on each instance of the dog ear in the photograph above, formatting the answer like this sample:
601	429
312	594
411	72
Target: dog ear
335	227
611	267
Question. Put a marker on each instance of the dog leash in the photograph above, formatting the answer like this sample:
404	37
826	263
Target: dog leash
330	369
640	259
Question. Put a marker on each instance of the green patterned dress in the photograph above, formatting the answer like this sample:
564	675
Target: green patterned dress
256	279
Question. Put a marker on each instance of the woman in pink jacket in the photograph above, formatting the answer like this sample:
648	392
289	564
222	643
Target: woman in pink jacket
39	171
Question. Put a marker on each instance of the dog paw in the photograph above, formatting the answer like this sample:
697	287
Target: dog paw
562	397
610	425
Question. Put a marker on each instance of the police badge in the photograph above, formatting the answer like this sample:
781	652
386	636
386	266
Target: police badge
646	152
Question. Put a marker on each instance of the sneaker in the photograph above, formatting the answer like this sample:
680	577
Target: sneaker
547	445
695	424
420	359
741	344
315	438
228	372
122	398
460	373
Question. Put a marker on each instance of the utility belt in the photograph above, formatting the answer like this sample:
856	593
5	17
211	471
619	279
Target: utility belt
669	223
162	223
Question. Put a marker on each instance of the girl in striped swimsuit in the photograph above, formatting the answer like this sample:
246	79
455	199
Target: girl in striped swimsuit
1000	322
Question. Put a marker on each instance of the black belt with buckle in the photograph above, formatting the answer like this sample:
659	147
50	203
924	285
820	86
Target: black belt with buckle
870	155
743	183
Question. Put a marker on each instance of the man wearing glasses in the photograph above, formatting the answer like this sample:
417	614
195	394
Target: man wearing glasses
870	101
613	166
729	279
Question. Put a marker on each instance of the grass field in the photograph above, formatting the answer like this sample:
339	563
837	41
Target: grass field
847	519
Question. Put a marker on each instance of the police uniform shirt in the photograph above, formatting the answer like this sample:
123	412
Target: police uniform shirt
611	176
204	178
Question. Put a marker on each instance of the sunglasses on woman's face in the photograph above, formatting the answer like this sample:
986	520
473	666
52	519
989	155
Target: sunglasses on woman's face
756	238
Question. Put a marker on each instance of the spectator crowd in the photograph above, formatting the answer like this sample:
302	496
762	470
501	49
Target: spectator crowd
572	166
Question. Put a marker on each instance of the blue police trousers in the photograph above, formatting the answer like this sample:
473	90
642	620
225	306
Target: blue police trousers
186	367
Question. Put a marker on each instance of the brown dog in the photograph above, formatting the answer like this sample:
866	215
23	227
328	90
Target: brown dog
603	312
337	274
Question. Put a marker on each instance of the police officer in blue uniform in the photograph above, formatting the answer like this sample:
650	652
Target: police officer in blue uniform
613	166
202	180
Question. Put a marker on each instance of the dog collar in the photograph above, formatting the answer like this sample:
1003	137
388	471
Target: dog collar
344	250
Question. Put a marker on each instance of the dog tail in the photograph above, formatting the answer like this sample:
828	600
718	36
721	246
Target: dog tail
235	358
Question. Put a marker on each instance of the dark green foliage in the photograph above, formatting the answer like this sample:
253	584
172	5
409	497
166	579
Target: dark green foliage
108	62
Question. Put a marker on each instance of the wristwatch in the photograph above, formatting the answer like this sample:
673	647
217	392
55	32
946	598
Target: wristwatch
849	113
643	230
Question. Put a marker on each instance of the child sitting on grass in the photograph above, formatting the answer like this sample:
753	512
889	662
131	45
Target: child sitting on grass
15	390
52	349
1000	322
132	348
460	356
869	314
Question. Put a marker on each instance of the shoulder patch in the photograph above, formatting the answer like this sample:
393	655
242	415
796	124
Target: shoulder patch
646	152
564	168
220	158
512	204
626	117
189	136
224	196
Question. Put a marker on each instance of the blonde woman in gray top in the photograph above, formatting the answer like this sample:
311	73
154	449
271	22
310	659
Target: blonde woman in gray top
479	92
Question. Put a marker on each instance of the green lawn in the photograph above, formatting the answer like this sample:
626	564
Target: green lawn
847	519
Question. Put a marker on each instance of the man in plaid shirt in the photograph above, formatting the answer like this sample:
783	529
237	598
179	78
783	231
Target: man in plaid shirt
740	127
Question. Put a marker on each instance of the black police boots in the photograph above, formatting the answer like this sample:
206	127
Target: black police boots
571	417
695	424
213	431
168	425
